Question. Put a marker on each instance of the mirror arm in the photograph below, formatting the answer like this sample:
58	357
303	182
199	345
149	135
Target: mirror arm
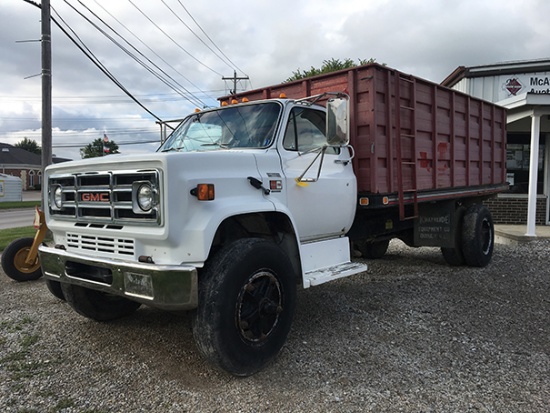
321	153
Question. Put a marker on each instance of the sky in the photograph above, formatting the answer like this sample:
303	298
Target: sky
193	45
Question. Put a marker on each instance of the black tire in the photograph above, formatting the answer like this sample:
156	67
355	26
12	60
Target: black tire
373	250
13	261
454	256
54	287
97	305
478	236
247	297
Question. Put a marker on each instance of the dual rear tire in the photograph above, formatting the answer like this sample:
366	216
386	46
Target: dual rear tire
475	238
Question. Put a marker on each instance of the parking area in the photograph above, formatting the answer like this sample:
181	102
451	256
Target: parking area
412	334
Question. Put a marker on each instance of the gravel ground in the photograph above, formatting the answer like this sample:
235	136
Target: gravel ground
410	335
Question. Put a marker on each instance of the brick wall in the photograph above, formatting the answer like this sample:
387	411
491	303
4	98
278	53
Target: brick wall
514	210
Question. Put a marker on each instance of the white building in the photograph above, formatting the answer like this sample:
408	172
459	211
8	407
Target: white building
523	87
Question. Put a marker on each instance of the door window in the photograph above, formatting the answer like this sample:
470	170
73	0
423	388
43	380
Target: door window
305	131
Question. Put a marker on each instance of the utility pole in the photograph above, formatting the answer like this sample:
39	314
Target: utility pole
234	79
46	87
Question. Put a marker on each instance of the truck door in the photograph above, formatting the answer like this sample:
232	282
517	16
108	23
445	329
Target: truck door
326	207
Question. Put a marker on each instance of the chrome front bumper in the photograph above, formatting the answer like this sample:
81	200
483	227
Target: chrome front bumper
169	287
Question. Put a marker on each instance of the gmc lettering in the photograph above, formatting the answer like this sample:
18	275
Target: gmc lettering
102	197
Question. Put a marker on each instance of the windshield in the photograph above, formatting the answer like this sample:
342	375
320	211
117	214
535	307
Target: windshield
244	126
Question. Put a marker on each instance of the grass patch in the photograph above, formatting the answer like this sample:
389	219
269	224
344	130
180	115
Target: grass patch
28	341
93	411
24	369
15	325
64	404
19	204
8	235
20	363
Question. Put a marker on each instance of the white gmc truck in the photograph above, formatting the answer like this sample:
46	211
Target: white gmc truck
244	203
226	219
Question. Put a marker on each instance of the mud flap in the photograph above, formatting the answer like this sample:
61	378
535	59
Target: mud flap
436	225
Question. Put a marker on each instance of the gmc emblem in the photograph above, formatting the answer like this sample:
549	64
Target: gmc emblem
94	197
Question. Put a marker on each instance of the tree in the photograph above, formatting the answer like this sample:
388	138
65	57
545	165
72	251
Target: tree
328	66
29	145
99	147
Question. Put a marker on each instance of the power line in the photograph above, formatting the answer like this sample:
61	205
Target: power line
86	98
101	67
197	36
209	38
196	101
123	143
173	41
155	53
92	57
139	61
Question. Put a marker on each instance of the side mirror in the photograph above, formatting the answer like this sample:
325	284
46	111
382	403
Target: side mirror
337	127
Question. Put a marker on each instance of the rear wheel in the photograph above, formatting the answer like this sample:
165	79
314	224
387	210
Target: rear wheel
454	256
247	296
374	249
13	261
478	236
97	305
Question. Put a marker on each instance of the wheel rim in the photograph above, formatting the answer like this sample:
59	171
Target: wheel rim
259	306
21	265
486	236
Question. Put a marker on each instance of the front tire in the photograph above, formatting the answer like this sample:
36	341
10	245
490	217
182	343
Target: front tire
247	296
97	305
13	261
54	287
478	236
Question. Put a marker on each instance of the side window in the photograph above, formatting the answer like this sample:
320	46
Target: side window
305	131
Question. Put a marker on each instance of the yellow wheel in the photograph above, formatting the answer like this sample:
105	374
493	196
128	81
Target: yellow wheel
13	261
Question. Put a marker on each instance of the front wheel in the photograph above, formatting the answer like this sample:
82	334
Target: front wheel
247	296
14	261
97	305
54	287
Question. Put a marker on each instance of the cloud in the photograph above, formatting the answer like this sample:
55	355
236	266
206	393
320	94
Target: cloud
265	40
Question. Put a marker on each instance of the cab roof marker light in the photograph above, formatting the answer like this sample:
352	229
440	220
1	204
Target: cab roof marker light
234	101
282	95
224	103
244	100
197	110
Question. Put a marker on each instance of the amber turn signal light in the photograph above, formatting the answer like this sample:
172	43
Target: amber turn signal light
203	192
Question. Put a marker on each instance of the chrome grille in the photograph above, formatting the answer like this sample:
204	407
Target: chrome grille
106	197
100	244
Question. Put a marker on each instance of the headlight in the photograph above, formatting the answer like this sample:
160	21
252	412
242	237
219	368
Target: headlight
58	197
145	197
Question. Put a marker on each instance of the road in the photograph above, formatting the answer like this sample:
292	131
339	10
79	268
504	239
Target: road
14	218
